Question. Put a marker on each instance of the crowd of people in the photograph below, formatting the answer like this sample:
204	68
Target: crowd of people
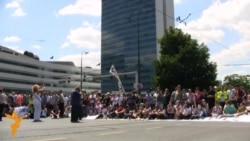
159	104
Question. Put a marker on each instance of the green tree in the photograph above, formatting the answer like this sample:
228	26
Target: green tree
235	79
183	61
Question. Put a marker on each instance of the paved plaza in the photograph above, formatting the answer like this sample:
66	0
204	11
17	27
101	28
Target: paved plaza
126	130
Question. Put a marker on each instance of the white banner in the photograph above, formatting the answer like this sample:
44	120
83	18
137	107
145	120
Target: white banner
21	111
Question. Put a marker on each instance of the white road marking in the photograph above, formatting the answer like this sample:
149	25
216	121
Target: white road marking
52	139
152	128
110	133
181	124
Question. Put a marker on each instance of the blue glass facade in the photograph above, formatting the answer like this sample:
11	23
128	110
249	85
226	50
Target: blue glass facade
125	24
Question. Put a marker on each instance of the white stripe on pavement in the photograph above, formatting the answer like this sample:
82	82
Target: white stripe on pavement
110	133
52	139
152	128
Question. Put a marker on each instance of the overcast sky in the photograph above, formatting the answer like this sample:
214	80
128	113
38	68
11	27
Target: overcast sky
64	29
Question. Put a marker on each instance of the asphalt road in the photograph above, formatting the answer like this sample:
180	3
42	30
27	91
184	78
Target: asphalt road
125	130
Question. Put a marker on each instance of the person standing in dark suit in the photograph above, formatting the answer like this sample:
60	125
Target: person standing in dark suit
75	104
211	98
3	103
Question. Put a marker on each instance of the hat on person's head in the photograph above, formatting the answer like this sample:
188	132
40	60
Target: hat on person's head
108	93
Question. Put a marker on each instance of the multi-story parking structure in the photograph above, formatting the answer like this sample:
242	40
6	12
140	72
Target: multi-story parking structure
18	72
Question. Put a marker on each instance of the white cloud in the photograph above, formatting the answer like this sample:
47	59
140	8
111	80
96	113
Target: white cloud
65	44
16	48
225	72
231	15
11	39
83	7
177	1
220	15
88	36
19	12
15	5
235	54
36	46
91	59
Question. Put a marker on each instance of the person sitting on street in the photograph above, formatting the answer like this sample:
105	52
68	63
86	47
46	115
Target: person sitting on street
102	114
205	108
229	108
146	110
120	111
44	112
241	108
196	112
138	113
55	113
170	110
67	111
111	112
153	113
217	110
186	111
128	114
247	111
161	113
177	108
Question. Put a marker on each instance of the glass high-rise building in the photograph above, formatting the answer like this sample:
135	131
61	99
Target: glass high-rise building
129	25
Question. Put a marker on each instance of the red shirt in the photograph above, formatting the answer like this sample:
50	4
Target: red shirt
19	99
239	94
198	97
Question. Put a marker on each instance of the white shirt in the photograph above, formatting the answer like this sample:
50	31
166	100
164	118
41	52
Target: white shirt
187	111
120	99
48	98
3	98
231	94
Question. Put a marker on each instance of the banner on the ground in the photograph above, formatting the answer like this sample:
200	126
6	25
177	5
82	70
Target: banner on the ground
21	111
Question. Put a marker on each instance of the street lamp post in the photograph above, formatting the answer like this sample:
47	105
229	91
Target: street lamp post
85	53
138	55
137	13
